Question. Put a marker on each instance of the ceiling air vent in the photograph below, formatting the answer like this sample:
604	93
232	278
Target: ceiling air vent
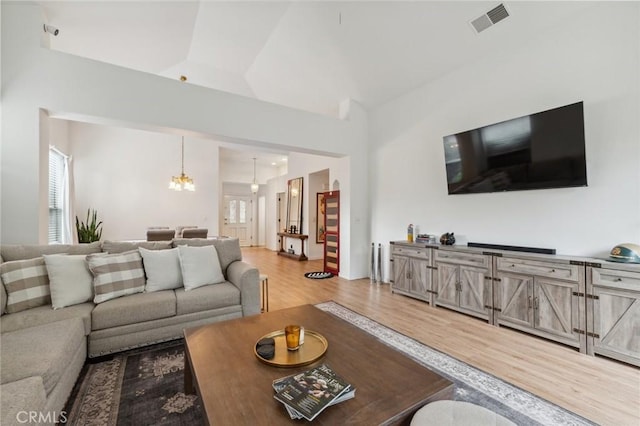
490	18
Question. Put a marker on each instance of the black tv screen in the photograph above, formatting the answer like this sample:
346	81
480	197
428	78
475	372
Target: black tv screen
541	150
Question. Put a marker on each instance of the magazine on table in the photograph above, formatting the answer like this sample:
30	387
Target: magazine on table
306	394
280	384
345	396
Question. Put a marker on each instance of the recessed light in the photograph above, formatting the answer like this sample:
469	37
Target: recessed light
273	164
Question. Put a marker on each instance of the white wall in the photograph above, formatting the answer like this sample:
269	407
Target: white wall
594	58
124	174
21	144
70	87
59	135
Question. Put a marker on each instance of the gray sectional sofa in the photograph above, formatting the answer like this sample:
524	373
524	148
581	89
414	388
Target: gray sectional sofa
42	350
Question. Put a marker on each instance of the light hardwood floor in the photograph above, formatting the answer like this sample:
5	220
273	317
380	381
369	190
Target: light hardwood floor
602	390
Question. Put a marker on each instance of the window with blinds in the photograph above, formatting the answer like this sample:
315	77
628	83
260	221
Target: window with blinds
56	170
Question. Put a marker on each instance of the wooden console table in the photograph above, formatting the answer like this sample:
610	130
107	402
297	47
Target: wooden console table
300	237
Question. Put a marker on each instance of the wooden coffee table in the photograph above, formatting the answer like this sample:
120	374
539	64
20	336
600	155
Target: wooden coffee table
235	386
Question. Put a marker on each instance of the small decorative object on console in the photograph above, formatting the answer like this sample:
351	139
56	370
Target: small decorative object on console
426	238
292	334
410	233
625	252
266	341
447	239
266	347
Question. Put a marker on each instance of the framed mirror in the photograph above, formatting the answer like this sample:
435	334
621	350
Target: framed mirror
294	206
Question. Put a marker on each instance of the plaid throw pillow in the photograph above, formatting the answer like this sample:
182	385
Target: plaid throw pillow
116	275
27	284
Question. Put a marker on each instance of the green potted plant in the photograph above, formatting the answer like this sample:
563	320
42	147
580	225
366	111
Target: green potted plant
90	230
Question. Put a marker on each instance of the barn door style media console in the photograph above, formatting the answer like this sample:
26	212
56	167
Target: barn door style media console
589	304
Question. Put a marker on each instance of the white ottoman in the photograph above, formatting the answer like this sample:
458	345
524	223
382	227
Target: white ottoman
451	413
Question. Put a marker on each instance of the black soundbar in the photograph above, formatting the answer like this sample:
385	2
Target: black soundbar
513	248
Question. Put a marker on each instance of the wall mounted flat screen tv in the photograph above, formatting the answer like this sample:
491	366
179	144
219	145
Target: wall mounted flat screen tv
537	151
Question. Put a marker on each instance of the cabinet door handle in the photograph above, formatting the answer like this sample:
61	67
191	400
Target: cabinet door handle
553	271
529	302
618	279
535	303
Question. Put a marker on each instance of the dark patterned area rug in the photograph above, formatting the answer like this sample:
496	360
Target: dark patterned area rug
145	386
140	387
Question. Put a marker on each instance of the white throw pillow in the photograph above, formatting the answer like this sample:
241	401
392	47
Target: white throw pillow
70	280
162	268
200	266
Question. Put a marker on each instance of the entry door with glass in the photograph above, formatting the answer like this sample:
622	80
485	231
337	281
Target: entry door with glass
237	218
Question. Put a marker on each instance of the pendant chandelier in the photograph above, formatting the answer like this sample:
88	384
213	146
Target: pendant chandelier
178	183
254	185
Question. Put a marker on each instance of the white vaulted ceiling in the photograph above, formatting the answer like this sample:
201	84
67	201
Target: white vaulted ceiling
309	55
